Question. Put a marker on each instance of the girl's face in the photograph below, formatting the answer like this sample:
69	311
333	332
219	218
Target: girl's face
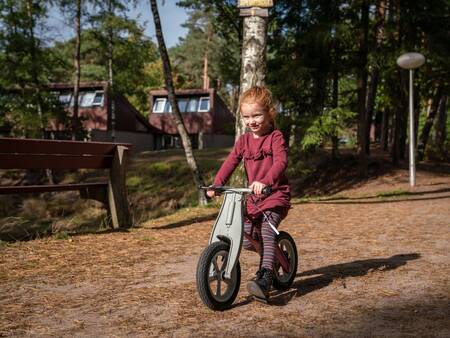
256	118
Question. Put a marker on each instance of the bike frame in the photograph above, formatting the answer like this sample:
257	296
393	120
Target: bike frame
229	227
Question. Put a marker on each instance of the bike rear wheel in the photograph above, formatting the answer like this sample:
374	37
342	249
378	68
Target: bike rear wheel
284	279
216	291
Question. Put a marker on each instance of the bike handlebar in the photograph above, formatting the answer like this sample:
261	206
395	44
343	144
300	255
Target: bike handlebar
221	188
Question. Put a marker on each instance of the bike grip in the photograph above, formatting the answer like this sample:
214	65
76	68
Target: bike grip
267	190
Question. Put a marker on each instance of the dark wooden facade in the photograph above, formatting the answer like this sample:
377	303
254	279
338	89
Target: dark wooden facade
130	126
209	124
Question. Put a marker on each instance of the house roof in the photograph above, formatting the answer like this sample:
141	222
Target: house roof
163	92
139	116
83	85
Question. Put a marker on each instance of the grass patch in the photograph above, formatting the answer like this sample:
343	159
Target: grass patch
393	193
62	235
147	239
385	194
307	199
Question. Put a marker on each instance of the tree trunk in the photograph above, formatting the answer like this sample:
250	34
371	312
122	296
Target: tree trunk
34	71
424	136
173	101
375	73
400	119
384	139
253	73
335	138
372	92
253	66
362	89
36	82
234	98
111	91
76	85
441	125
416	112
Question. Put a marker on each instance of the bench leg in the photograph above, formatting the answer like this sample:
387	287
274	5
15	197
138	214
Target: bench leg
117	192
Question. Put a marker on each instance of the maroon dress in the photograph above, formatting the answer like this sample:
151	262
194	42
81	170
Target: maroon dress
265	160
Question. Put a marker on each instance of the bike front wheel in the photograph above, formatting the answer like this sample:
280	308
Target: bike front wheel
216	291
283	279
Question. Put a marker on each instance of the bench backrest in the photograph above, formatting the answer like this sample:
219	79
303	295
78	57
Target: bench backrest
55	154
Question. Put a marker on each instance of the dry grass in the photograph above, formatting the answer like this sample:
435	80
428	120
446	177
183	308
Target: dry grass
159	183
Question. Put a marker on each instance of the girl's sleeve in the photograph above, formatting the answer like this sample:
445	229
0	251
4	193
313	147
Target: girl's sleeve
280	160
232	161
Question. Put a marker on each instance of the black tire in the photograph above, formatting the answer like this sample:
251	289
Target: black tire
283	280
213	297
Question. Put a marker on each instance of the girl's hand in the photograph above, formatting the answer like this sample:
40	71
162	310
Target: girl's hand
257	187
210	193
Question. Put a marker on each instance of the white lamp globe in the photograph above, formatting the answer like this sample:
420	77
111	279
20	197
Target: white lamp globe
411	60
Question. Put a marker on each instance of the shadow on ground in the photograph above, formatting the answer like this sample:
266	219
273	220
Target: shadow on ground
332	176
380	198
186	222
424	317
323	277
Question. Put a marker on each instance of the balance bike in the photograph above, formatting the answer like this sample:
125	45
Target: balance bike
218	269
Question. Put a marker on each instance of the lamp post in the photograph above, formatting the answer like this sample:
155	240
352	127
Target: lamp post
411	61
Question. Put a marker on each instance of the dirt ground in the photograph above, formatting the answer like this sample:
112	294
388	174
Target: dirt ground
370	266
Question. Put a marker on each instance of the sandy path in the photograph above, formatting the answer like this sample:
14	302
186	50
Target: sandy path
368	267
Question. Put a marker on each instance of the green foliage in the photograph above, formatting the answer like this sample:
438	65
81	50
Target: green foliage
62	235
136	65
27	66
322	128
215	31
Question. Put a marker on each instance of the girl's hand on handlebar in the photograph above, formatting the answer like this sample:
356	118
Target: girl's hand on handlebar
210	193
257	187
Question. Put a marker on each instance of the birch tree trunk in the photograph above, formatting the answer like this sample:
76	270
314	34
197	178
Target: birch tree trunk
253	65
76	85
111	91
253	73
173	101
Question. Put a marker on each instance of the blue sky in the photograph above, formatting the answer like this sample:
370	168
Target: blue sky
171	15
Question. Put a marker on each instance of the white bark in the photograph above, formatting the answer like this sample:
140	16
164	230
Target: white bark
253	69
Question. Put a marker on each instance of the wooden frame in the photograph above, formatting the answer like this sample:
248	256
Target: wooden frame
55	154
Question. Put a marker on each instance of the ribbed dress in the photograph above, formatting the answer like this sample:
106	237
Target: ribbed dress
265	160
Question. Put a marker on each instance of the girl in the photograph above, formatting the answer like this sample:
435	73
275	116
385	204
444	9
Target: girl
265	158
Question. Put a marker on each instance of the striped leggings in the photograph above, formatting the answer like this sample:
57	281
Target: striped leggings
262	230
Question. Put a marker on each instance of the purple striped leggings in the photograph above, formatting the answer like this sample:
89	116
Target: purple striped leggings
262	229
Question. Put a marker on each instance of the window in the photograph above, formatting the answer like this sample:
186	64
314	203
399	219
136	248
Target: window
158	106
182	104
65	99
86	99
192	106
98	99
204	104
168	107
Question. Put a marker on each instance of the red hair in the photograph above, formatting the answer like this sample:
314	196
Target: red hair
262	96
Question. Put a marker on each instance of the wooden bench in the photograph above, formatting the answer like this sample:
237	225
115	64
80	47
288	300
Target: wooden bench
52	154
